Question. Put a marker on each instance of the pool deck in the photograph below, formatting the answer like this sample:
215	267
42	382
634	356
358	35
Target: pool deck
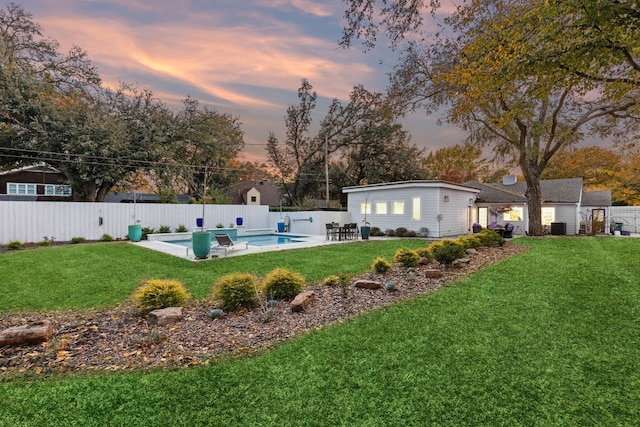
186	253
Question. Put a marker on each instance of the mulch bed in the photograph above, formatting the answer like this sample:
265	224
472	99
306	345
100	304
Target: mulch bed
119	339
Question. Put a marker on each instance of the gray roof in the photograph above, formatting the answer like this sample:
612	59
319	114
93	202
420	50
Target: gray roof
567	190
596	198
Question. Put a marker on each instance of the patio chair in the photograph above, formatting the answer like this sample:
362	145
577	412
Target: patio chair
331	231
224	242
508	231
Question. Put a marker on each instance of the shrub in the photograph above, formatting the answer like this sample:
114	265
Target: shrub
446	251
282	283
146	231
44	242
236	291
106	238
389	232
423	252
164	229
181	229
470	241
76	240
153	294
423	232
375	231
15	245
381	265
332	280
490	237
401	232
411	233
406	258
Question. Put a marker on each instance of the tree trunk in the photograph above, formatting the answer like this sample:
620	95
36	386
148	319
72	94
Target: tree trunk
534	200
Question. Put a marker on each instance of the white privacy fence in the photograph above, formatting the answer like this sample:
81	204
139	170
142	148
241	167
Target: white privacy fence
33	221
629	216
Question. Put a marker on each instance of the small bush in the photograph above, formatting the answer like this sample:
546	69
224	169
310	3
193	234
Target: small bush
381	265
236	291
423	232
44	242
164	229
15	245
470	241
332	280
446	251
146	231
389	232
375	231
490	237
76	240
423	252
401	232
282	283
181	229
106	238
153	294
411	233
406	258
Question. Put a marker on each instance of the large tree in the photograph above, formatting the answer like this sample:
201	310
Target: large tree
205	143
503	71
300	158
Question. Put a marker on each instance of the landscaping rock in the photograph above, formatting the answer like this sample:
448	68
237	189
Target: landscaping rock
424	261
165	316
302	301
461	261
432	273
31	333
471	251
367	284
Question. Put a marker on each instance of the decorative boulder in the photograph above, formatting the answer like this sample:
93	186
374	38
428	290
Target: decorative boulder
302	301
32	333
423	261
165	316
432	273
367	284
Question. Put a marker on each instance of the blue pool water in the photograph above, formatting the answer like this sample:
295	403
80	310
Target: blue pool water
255	240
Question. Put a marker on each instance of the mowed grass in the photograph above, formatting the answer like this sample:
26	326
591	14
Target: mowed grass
548	338
106	274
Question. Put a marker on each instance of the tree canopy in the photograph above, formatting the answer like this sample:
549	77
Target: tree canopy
507	73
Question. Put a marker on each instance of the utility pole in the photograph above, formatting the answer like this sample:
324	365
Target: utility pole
326	166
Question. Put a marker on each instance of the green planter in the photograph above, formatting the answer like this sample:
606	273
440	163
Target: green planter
135	233
201	242
365	230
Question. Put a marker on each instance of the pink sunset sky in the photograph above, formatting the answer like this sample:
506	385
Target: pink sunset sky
243	57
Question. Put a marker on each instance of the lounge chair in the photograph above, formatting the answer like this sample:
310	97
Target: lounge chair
224	242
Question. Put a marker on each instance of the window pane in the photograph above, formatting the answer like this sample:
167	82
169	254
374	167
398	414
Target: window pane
397	208
515	214
12	189
365	208
49	190
548	215
416	209
381	208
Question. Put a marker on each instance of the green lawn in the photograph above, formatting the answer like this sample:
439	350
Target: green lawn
551	337
105	274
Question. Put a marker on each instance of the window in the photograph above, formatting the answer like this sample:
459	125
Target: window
483	216
21	189
381	208
365	208
397	208
416	209
254	199
548	215
515	214
57	190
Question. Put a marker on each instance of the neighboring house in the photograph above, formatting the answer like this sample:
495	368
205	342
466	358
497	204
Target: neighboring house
443	208
565	204
38	182
255	193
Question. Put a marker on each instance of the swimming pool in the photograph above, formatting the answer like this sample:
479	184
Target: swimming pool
254	240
